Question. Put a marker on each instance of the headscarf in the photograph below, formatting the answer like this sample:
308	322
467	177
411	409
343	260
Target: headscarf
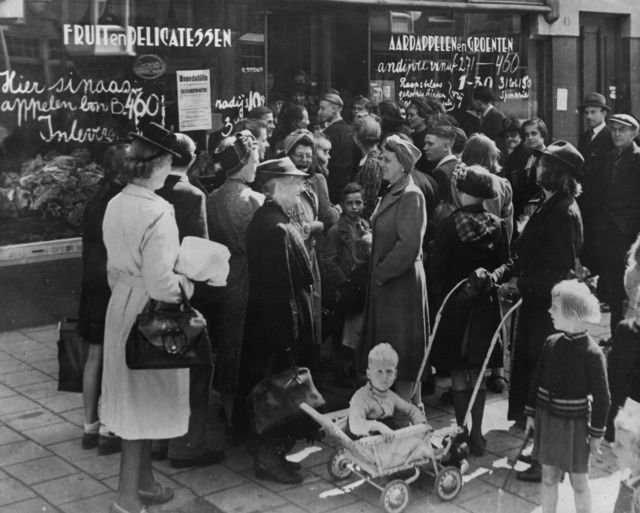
234	152
297	136
406	152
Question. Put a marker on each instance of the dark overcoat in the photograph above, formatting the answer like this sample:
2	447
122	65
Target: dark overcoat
396	310
189	204
95	294
279	313
472	314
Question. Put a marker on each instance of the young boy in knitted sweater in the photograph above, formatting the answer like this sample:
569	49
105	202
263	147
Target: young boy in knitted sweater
373	406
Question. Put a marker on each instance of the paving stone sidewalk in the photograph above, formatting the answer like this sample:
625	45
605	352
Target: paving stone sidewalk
43	468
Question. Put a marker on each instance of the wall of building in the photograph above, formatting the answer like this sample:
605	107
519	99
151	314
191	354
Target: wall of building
565	57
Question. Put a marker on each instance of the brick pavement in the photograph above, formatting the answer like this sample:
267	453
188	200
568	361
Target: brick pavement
43	469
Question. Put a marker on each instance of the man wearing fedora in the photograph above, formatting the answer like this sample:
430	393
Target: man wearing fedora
621	209
341	169
594	145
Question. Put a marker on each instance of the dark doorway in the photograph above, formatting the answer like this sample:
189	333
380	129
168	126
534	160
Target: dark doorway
331	48
602	55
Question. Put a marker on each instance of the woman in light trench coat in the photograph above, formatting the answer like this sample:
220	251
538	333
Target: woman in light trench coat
396	311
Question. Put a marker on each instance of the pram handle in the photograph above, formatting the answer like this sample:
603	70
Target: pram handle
432	334
494	339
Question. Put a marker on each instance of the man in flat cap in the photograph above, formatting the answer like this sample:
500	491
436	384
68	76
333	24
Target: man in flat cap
594	145
621	209
341	169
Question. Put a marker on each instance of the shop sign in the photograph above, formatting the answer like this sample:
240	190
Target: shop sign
448	68
149	66
194	99
74	110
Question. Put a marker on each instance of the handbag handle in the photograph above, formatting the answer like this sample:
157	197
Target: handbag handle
185	299
184	302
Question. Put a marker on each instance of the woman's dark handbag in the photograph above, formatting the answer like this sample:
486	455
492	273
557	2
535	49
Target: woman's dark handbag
72	355
276	399
168	336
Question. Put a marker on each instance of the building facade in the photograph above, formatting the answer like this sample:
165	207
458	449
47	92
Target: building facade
79	75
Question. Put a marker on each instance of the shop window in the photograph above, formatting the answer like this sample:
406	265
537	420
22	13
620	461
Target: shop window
82	74
446	54
23	47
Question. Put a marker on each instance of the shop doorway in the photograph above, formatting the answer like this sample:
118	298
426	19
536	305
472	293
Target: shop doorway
329	45
602	59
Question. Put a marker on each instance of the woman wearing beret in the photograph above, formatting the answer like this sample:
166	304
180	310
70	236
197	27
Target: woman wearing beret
279	321
545	253
396	311
229	212
469	239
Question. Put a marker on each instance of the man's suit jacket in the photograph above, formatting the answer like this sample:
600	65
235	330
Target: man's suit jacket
595	179
189	204
491	124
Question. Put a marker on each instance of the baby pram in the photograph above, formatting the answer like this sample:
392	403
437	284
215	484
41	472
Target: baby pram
412	448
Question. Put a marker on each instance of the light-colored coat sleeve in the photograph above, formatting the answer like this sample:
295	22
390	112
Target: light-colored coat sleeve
159	251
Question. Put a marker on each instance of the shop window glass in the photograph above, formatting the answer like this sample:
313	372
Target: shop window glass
82	74
446	54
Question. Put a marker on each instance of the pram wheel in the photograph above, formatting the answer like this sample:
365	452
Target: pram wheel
395	496
448	483
337	466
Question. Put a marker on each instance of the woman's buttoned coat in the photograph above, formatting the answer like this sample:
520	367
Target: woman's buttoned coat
396	310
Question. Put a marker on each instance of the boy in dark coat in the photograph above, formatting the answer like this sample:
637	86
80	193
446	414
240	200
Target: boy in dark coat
345	262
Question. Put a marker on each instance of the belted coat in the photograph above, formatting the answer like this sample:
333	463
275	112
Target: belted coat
396	309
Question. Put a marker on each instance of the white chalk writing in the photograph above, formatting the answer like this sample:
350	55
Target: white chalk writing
32	101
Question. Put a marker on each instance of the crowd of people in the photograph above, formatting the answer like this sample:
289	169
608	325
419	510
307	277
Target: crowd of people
356	232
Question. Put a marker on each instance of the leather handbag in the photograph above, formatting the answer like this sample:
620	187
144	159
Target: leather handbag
168	336
276	399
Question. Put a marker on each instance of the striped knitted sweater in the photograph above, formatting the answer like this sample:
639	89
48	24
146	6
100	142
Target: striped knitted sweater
571	381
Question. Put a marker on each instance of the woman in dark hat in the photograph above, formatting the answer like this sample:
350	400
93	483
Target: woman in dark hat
141	237
294	117
396	311
279	321
511	136
545	253
229	212
470	238
391	119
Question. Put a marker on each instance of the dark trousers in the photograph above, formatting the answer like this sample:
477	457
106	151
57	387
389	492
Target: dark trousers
534	327
614	247
194	442
592	246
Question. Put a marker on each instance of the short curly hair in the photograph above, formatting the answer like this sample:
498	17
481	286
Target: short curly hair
383	353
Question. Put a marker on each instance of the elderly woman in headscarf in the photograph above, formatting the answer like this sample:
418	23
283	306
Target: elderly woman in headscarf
230	210
396	311
313	212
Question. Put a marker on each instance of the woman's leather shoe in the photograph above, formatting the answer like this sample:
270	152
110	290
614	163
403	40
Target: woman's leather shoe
291	466
279	474
160	495
532	475
477	446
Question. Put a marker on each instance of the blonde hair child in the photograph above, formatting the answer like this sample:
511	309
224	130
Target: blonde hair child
372	407
570	369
